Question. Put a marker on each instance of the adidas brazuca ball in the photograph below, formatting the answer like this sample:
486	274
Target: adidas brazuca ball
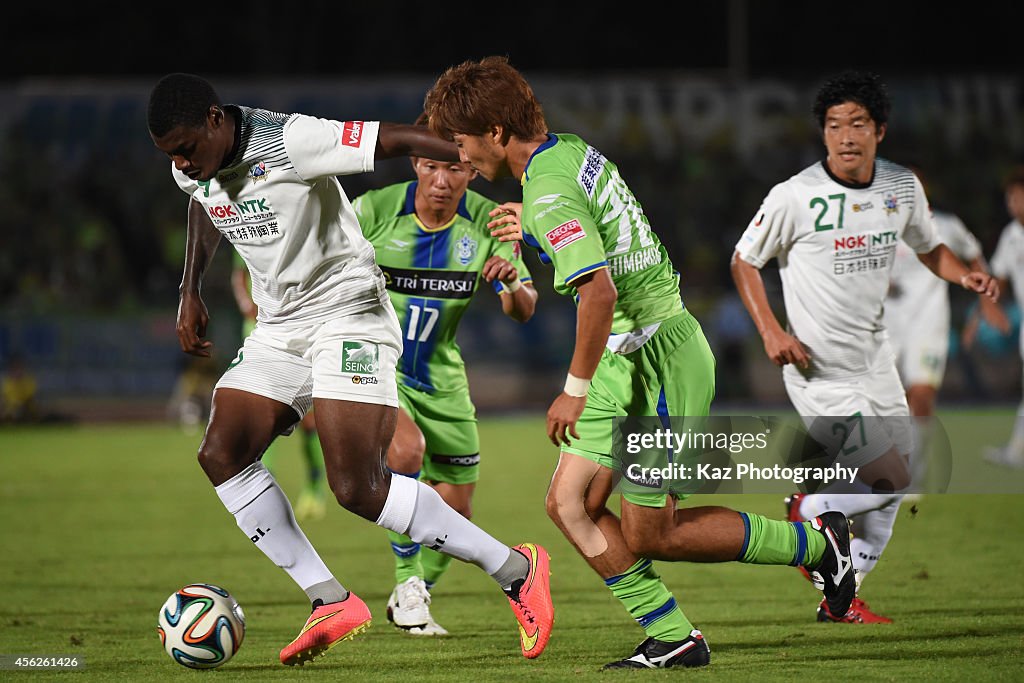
201	626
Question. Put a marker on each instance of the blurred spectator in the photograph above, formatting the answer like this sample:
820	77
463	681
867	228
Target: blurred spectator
18	388
189	404
1008	266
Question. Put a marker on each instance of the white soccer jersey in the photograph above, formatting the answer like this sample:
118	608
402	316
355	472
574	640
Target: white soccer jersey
1008	262
835	244
280	205
918	301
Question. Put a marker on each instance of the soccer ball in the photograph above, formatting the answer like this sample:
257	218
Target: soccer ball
201	626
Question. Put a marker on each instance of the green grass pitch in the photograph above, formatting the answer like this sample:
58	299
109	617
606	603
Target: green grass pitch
101	523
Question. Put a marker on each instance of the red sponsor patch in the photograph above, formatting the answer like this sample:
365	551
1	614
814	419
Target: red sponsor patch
352	133
565	234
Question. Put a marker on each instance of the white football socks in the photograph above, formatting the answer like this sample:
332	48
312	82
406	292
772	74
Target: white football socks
871	533
263	513
851	504
418	511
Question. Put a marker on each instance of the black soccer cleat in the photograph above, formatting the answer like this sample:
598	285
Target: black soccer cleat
659	654
835	575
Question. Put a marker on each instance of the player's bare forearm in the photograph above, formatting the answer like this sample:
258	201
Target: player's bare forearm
594	313
399	139
200	245
780	346
751	290
520	304
943	262
597	297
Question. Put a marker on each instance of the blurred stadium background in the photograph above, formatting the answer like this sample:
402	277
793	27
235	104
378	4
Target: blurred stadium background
703	117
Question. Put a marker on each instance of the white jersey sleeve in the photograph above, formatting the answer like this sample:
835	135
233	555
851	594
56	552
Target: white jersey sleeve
772	231
920	233
322	147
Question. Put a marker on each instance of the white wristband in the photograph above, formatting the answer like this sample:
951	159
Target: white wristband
513	286
576	387
963	281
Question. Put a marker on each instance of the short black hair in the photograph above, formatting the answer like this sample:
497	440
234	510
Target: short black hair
180	99
863	87
1013	177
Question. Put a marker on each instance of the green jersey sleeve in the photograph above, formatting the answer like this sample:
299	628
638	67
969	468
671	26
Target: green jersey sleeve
562	227
581	215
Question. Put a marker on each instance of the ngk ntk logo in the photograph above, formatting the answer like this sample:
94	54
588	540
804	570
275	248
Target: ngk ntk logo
875	243
352	133
223	211
851	246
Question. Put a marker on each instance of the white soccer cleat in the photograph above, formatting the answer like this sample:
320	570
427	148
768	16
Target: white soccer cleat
431	629
1005	457
408	606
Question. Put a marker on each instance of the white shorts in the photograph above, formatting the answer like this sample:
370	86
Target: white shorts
921	357
353	358
834	412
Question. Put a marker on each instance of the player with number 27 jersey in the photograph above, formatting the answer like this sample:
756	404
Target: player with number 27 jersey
836	242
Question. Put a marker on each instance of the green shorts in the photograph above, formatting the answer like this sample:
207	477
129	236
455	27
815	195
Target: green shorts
448	423
672	374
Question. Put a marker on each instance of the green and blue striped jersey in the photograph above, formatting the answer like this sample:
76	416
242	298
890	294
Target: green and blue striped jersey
431	276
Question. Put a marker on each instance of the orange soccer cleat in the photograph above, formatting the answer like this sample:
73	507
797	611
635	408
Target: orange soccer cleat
327	626
531	601
859	613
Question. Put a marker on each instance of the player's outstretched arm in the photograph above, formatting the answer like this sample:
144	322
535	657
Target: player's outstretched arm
400	139
780	346
943	262
201	244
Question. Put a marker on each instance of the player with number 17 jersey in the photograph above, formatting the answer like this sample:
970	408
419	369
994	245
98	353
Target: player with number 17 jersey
431	276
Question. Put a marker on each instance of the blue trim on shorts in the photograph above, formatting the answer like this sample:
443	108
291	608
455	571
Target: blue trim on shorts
414	475
662	411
